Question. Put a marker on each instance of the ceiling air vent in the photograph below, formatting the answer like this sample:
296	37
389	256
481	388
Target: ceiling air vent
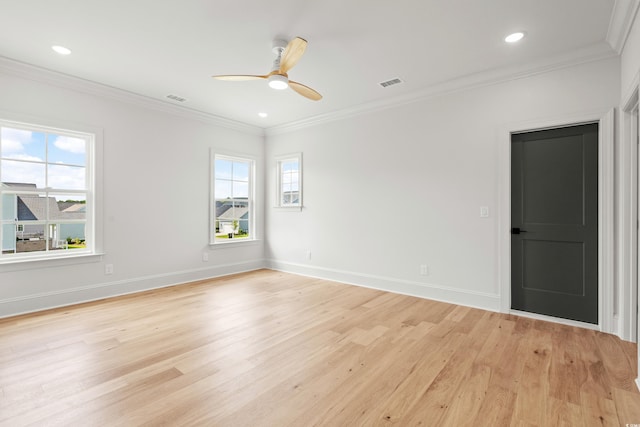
176	98
391	82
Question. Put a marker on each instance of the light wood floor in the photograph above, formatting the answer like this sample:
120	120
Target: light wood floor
273	349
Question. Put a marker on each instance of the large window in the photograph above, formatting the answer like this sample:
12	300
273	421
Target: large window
232	204
289	181
46	192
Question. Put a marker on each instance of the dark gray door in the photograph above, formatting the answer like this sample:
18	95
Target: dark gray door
554	220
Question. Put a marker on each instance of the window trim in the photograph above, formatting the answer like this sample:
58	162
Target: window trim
278	202
93	190
227	155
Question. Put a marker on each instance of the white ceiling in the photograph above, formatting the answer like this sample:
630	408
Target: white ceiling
159	47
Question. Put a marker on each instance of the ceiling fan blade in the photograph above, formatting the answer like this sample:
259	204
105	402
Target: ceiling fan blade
292	54
305	91
239	78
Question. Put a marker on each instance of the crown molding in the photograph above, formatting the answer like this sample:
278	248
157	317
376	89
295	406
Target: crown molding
622	18
597	52
65	81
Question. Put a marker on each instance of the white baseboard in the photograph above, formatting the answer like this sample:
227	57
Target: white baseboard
64	297
480	300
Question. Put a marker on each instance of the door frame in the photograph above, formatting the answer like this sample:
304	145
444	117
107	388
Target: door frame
605	120
628	216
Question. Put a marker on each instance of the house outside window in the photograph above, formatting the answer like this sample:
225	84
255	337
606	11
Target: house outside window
232	199
289	181
46	192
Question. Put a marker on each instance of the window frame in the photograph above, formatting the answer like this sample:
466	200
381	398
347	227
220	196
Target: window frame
280	160
93	219
216	154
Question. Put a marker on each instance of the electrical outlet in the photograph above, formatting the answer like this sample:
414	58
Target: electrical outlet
308	255
424	270
108	269
205	256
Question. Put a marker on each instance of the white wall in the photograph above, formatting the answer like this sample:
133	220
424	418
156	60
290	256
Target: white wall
155	200
389	190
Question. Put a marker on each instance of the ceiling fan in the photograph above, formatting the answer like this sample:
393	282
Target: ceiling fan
287	55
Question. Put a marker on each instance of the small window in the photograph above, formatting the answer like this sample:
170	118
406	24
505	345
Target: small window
232	200
46	192
289	181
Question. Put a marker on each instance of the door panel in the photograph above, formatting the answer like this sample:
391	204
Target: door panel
554	202
544	263
552	171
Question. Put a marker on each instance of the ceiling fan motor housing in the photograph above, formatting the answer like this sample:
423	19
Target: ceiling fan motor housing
275	79
278	46
278	81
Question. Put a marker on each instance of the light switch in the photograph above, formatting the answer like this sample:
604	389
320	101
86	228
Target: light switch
484	211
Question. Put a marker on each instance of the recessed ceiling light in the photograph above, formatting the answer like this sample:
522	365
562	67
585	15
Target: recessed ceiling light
263	115
61	50
515	37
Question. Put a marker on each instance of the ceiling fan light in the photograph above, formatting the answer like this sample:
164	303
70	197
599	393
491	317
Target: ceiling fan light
276	81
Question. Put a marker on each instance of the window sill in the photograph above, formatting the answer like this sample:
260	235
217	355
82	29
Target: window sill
19	264
288	208
232	243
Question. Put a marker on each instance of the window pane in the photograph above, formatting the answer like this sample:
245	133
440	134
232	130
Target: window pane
286	178
8	238
68	207
223	189
295	180
33	207
67	177
22	144
70	236
240	171
22	172
32	239
222	206
9	206
289	165
240	189
67	150
295	198
223	169
244	226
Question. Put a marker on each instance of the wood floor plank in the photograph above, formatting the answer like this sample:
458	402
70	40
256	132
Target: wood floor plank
497	407
619	364
432	406
532	403
564	414
267	348
597	411
627	406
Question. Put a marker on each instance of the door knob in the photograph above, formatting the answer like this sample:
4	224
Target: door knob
517	230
